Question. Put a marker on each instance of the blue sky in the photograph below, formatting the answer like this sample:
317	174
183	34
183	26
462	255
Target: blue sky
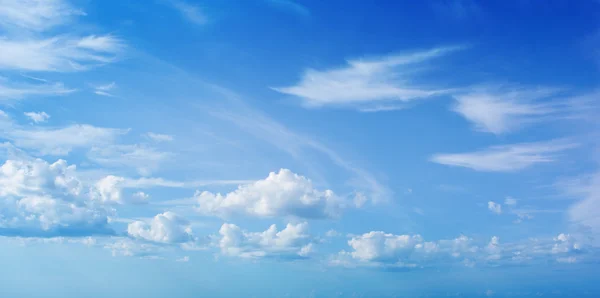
278	148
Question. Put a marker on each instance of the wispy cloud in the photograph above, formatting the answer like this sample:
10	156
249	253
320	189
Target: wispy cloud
506	158
61	53
36	15
103	90
501	110
37	117
290	6
190	12
365	81
157	137
10	90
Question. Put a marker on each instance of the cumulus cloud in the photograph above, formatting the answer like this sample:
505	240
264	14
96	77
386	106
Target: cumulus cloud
280	194
506	158
42	199
291	242
37	117
495	207
167	227
364	81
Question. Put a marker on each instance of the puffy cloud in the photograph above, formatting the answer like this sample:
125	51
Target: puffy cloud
37	117
507	158
42	199
377	248
495	207
291	242
280	194
167	227
108	189
362	82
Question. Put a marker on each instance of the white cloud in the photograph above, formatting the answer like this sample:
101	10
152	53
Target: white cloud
509	201
190	12
586	211
167	227
280	194
502	111
365	81
157	137
108	189
494	207
143	158
127	247
103	90
291	242
377	248
332	233
36	15
37	117
140	197
506	158
42	199
12	91
184	259
62	53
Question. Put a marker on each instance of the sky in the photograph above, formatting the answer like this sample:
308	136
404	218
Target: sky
288	148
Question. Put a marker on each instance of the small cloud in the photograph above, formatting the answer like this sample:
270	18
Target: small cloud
103	90
190	12
332	233
509	201
157	137
37	117
183	259
494	207
140	197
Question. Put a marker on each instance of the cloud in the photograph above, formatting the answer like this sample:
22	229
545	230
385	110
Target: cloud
280	194
500	110
57	141
291	242
157	137
167	227
37	117
36	15
384	250
11	90
40	199
61	53
143	158
103	90
365	81
494	207
506	158
509	201
586	212
191	13
291	6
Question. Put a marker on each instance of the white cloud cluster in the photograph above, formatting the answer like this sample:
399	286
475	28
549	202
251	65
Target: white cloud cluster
495	207
364	81
167	227
291	242
42	199
507	158
280	194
